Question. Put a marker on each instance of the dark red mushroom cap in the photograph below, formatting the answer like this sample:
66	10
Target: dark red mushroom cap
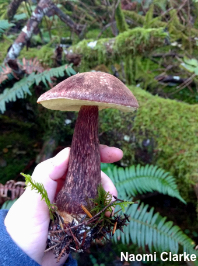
89	88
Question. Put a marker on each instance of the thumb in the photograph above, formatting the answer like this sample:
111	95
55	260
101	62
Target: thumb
50	171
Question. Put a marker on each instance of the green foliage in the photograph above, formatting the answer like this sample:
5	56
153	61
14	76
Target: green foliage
3	8
4	25
16	135
191	65
4	45
145	226
171	124
138	179
124	47
45	54
22	87
103	199
120	19
94	261
42	191
161	4
149	17
139	40
21	16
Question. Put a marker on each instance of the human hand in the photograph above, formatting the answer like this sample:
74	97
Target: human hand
28	219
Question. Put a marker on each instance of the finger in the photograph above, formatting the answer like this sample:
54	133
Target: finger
108	187
53	168
60	164
49	171
50	259
110	154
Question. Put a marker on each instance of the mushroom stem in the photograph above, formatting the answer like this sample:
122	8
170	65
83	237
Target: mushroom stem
83	176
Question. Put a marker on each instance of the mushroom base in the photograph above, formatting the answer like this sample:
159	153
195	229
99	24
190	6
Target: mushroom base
78	236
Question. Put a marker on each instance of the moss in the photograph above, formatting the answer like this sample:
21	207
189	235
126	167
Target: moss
139	40
44	54
101	68
170	126
120	19
175	28
93	34
149	17
129	71
125	47
195	4
146	72
4	45
175	125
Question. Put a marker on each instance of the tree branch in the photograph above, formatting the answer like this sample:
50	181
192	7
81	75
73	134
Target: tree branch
44	7
12	9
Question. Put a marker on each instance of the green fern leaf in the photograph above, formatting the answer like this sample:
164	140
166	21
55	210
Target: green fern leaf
42	191
22	87
141	179
19	90
4	25
146	229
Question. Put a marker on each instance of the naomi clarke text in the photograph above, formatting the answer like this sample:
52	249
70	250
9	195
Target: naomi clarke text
164	256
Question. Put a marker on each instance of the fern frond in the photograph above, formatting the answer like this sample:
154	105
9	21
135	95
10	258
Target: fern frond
147	228
42	191
19	90
4	72
54	72
4	25
141	179
31	65
22	87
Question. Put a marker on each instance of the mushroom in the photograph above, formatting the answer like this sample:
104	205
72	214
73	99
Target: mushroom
87	93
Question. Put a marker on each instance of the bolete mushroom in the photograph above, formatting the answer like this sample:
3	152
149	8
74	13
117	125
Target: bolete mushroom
87	93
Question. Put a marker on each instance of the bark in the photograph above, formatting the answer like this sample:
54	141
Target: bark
26	33
45	7
65	18
12	9
17	71
83	176
58	56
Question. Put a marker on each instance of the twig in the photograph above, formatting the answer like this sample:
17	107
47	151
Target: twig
75	239
52	247
105	27
183	85
91	220
85	222
12	9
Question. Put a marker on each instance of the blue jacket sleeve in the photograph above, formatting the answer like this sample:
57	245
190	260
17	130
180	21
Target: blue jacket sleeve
11	254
